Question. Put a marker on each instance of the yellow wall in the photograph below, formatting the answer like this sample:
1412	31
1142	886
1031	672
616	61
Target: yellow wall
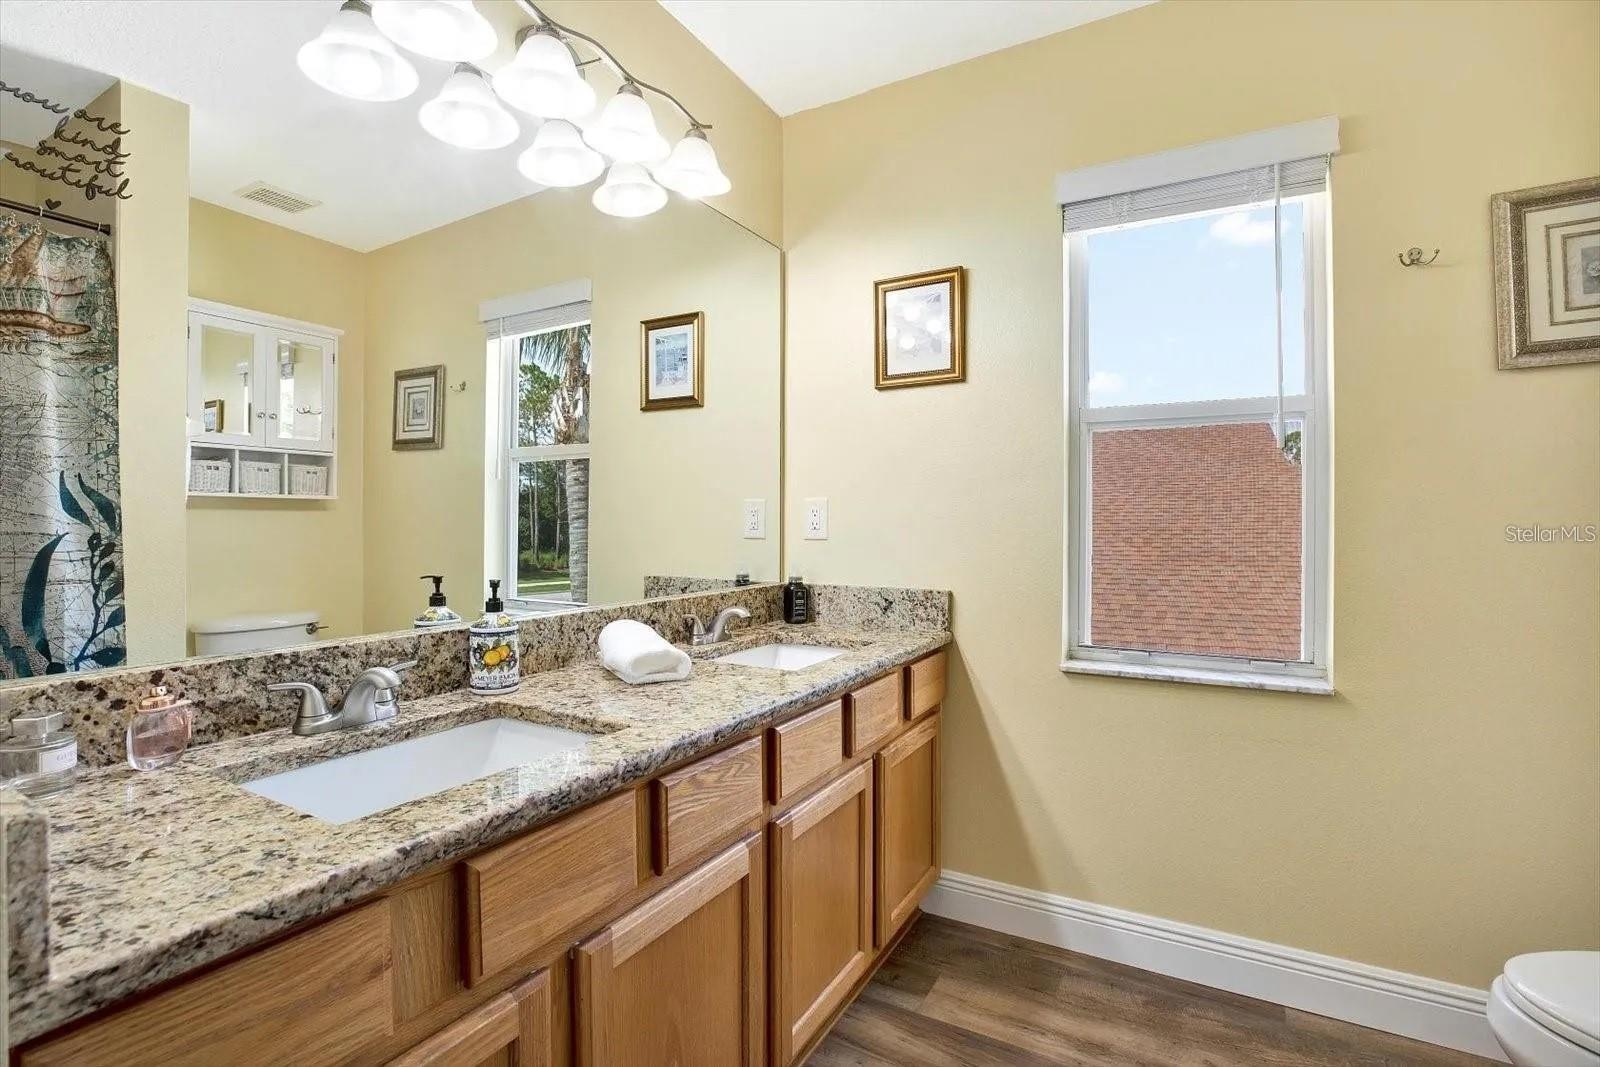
283	555
665	486
1438	815
152	256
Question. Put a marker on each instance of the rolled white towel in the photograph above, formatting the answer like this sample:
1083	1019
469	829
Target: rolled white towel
638	655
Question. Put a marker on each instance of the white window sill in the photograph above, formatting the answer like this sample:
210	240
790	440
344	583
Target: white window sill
1283	683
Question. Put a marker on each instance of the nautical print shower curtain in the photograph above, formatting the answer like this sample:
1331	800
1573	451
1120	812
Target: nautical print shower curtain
61	605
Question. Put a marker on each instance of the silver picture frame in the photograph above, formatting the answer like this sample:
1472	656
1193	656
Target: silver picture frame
1521	313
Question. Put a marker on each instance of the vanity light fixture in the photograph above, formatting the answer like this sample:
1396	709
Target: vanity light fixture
691	170
559	158
467	114
438	29
543	78
629	192
350	57
626	130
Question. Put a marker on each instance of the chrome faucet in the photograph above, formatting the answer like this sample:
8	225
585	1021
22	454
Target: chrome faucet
370	698
699	635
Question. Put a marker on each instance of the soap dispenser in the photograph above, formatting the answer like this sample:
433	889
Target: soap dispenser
436	613
492	660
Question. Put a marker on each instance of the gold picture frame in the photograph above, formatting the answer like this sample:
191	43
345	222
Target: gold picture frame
1532	229
213	416
920	328
672	362
418	413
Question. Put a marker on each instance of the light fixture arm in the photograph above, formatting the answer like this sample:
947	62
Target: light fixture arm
628	79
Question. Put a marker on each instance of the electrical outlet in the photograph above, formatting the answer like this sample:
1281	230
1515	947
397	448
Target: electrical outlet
816	518
755	519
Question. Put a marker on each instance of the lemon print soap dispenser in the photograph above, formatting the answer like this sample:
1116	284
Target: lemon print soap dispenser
494	664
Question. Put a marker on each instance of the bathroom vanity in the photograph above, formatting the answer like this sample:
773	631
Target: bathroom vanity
710	879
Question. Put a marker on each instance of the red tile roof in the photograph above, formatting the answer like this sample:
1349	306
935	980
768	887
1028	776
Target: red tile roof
1196	542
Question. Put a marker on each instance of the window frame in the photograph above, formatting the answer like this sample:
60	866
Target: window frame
1314	674
513	454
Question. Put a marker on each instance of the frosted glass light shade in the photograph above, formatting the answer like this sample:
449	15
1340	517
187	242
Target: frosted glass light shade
543	80
629	192
438	29
626	130
350	57
466	113
559	158
692	170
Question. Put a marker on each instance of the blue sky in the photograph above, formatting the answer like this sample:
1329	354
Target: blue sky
1182	310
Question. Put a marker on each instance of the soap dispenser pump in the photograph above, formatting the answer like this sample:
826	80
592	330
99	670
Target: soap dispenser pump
494	665
437	613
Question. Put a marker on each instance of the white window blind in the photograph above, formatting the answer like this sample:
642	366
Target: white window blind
535	321
1252	185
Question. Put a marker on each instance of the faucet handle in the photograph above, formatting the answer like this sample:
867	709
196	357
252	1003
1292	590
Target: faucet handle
693	624
313	708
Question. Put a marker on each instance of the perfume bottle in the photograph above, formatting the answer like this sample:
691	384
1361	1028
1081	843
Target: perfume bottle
39	757
159	730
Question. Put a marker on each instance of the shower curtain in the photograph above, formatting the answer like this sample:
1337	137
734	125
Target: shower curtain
61	603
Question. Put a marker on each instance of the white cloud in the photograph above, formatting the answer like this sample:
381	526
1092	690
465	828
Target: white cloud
1238	228
1104	383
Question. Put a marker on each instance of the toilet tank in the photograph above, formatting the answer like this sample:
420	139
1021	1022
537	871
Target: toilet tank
253	633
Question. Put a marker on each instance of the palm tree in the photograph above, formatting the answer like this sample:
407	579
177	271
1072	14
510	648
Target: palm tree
565	354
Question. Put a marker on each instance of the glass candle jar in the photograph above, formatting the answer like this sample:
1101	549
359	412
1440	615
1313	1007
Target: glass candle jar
158	730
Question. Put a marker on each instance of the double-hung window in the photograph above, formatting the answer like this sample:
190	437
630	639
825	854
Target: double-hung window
1198	429
543	433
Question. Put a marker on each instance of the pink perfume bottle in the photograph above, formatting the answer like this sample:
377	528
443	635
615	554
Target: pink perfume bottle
158	730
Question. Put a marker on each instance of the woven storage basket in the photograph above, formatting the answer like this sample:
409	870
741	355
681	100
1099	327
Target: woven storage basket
210	476
308	479
260	478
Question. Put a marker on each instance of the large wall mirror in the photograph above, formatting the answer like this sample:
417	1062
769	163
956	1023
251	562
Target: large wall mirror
320	354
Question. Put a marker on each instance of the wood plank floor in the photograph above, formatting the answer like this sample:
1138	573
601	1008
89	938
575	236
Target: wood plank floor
954	995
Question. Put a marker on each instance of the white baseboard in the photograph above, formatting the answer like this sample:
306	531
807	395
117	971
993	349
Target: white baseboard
1406	1004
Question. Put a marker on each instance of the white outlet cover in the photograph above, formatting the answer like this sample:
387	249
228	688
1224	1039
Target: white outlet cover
816	518
754	524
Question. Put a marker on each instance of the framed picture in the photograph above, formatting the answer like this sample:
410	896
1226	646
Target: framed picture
419	408
672	367
211	418
921	330
1547	274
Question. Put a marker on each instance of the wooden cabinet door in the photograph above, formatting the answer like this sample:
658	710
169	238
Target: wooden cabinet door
681	979
510	1030
907	824
821	909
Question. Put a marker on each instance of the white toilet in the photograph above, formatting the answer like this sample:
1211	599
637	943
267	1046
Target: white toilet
233	634
1545	1009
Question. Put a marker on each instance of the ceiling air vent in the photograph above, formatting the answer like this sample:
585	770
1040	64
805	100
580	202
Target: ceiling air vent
272	196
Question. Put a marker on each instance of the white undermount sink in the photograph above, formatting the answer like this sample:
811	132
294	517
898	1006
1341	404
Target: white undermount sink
350	787
782	657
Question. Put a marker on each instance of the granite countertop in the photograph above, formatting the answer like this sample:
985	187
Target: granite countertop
152	875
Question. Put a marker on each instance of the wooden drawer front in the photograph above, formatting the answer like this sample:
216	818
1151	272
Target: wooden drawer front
925	685
907	831
523	894
806	749
694	807
512	1029
874	712
318	997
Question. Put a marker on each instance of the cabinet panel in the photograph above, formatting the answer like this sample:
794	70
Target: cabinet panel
694	807
821	917
907	825
925	685
524	893
325	993
513	1030
298	391
224	359
680	979
874	712
805	749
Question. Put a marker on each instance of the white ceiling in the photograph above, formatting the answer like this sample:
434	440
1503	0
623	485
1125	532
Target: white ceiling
254	116
799	54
